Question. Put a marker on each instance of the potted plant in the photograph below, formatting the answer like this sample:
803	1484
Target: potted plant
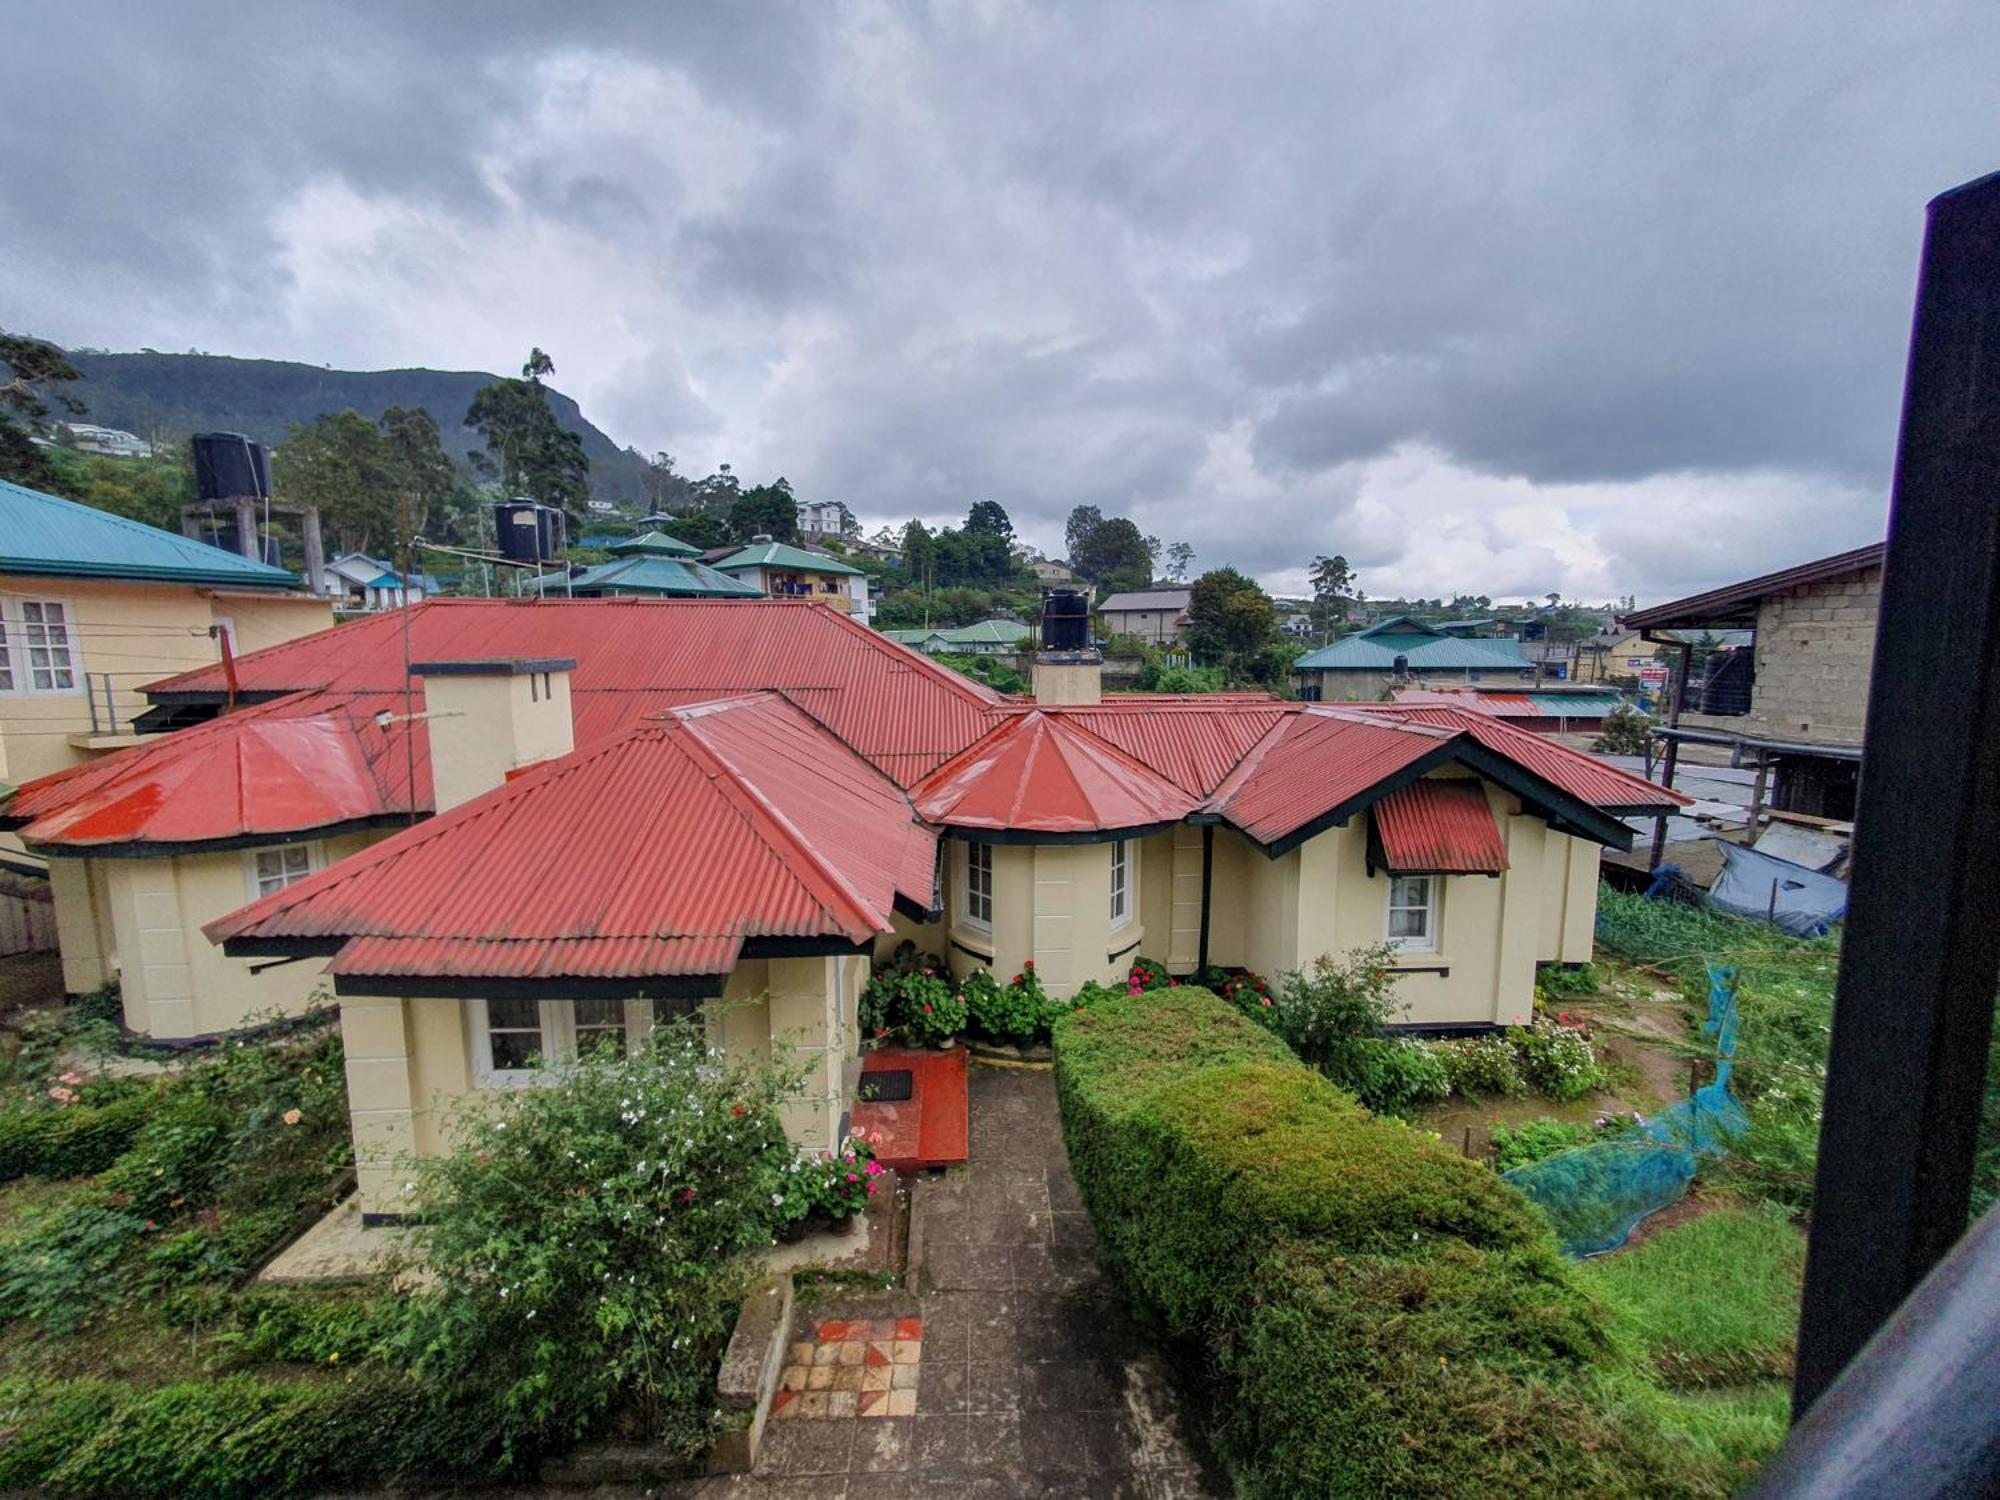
844	1182
932	1011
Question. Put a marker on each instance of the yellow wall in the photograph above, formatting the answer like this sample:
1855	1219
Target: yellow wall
410	1064
137	633
173	981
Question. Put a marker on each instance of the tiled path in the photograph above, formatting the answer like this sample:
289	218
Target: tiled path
1030	1379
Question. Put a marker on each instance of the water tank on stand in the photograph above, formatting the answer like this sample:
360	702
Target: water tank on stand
228	466
528	532
1065	621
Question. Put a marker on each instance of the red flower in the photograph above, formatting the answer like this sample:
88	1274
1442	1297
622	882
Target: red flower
737	1110
1029	964
687	1195
927	1010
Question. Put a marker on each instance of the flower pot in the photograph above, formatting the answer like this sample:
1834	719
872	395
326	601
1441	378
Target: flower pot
791	1233
945	1043
845	1226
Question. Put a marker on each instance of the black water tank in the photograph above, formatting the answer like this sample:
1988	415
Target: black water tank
1065	621
1726	682
228	466
529	533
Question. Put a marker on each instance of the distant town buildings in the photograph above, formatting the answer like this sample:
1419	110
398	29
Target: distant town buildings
821	518
112	442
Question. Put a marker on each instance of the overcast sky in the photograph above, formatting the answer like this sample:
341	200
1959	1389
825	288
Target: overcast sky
1502	298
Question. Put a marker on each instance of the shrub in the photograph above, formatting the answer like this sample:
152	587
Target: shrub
60	1269
932	1009
583	1241
1556	1060
1626	731
1403	1075
74	1139
1561	981
1004	1013
1326	1013
1537	1140
840	1185
1482	1065
1375	1314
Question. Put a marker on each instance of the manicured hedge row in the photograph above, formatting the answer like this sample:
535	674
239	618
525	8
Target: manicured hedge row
1382	1316
78	1140
220	1439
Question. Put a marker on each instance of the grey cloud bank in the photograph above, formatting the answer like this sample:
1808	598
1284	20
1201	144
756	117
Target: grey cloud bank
1598	299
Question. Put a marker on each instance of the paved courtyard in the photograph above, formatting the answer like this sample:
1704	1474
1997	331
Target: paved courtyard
1029	1379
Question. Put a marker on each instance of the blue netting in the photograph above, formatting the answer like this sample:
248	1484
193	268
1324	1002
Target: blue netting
1595	1194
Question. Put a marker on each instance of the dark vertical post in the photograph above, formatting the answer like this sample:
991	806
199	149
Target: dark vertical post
1914	1007
1207	883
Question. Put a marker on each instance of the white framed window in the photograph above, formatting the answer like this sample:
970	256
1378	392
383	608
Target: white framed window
268	870
38	647
979	886
1121	884
1413	912
510	1038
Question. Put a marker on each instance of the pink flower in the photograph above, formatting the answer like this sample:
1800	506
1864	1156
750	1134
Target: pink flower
72	1079
852	1178
687	1195
871	1189
62	1095
290	1117
874	1169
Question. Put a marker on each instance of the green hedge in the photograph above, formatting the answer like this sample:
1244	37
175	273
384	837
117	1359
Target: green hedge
78	1140
1379	1315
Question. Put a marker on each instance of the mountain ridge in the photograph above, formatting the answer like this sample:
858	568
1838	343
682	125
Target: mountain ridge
173	395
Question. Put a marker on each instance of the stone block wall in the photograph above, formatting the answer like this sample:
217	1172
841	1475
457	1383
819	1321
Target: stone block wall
1815	648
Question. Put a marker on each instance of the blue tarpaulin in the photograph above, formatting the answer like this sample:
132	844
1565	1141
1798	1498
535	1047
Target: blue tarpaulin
1802	902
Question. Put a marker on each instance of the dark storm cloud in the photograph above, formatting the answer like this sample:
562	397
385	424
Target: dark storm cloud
1486	297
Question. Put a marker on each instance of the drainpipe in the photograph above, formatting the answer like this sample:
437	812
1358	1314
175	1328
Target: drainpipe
1207	881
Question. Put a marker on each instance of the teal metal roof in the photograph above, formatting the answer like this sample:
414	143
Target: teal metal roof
657	543
1575	705
667	577
783	555
43	534
1428	650
988	633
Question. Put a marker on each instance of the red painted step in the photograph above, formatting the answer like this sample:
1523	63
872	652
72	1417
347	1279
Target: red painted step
929	1128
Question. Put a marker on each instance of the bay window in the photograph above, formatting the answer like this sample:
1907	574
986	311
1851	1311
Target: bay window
978	910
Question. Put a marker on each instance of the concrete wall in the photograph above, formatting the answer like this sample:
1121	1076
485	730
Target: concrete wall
1370	686
1815	649
173	981
1156	627
138	633
410	1064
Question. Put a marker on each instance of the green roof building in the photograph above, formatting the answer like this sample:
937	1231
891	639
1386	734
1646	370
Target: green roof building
1364	666
782	571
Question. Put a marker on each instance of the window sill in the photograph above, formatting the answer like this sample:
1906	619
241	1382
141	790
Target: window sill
973	941
1125	940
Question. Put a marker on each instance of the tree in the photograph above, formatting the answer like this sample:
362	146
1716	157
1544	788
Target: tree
768	510
699	528
972	557
717	493
1332	582
1231	620
28	365
661	488
988	518
377	485
1113	555
1180	559
527	449
1082	525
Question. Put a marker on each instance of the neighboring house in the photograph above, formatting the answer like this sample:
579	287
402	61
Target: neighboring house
1622	652
1795	698
1052	573
779	570
112	442
357	581
93	605
1565	710
820	518
796	796
652	566
986	638
1364	666
1155	616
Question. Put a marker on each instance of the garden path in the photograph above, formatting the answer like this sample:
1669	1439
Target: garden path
1029	1379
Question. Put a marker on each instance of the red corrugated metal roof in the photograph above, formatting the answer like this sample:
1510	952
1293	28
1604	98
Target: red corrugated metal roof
1039	773
1578	774
895	706
1440	827
1192	742
1312	762
654	853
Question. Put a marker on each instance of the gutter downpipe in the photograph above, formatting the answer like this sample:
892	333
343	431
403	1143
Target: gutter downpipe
1207	881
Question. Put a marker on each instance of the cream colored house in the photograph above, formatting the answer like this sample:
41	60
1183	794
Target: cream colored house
93	606
779	570
749	856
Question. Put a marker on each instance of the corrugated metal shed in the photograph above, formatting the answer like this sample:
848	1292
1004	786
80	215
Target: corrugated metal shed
45	535
1039	773
657	853
1440	826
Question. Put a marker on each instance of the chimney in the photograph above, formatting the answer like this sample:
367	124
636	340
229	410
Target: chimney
491	718
1068	668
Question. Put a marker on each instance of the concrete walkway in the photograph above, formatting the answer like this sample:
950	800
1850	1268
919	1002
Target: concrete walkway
1030	1380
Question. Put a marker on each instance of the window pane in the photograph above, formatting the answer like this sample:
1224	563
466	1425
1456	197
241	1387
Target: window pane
665	1011
1406	922
514	1030
598	1022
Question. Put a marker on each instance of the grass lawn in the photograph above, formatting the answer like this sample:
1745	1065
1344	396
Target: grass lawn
1708	1312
